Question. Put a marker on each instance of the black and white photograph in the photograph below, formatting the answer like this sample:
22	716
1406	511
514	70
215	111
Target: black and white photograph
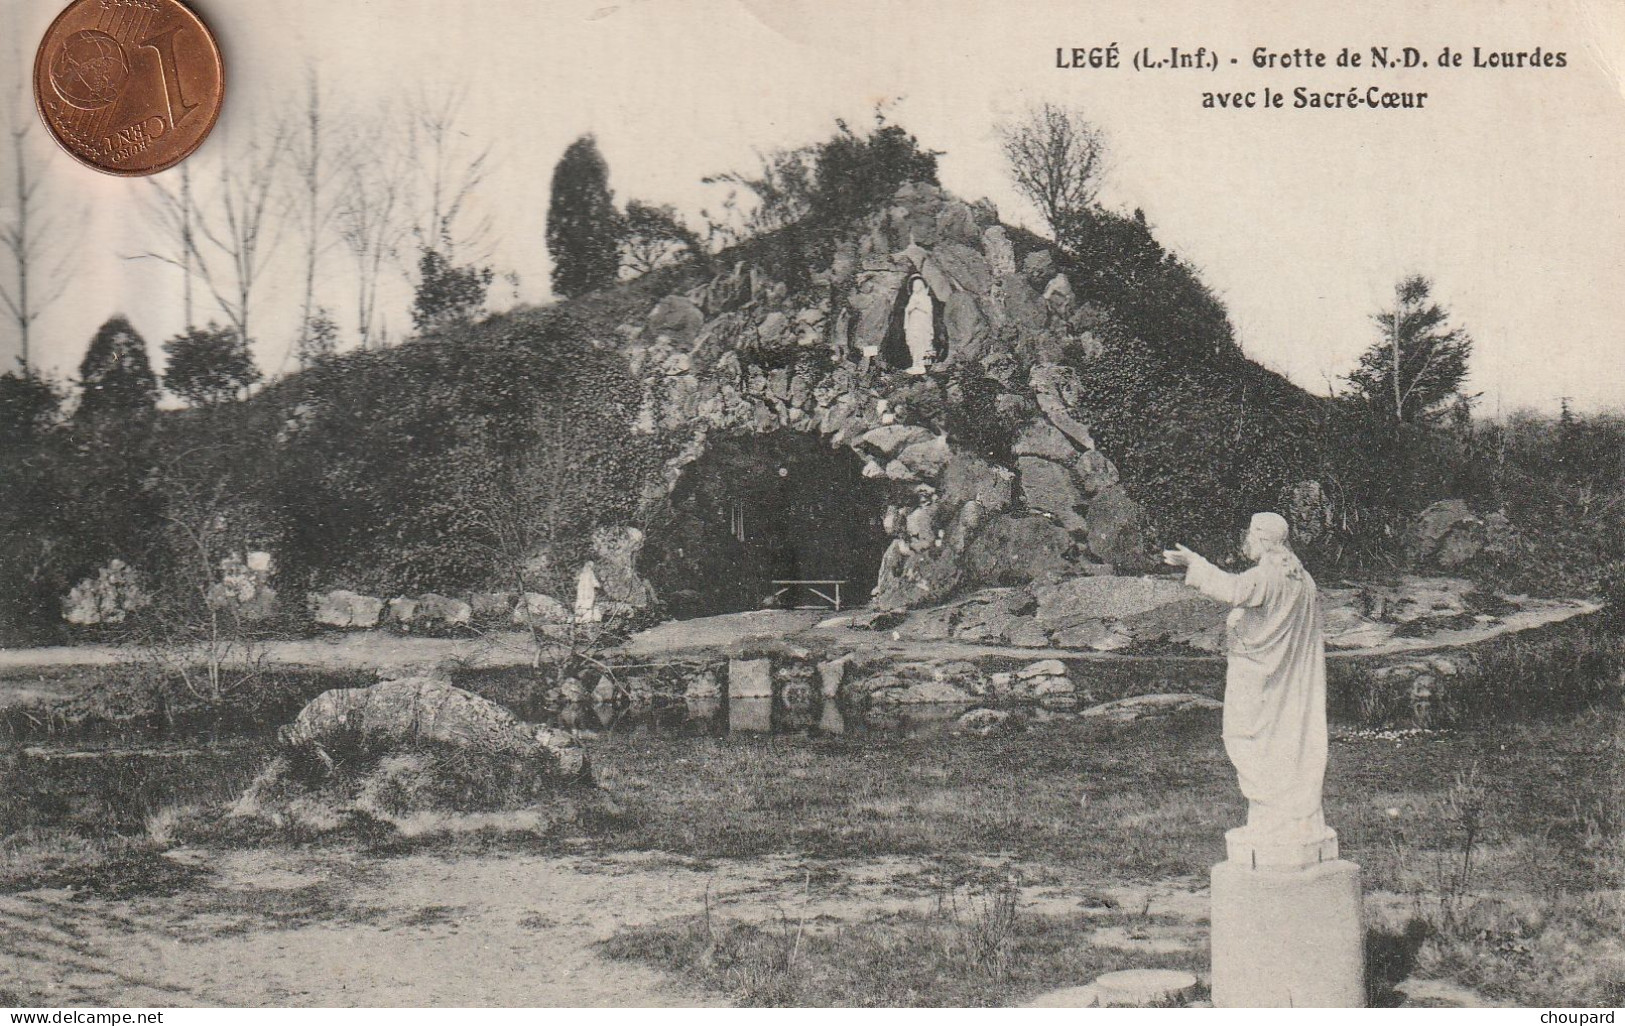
812	504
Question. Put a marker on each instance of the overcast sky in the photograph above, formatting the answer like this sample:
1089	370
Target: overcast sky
1505	189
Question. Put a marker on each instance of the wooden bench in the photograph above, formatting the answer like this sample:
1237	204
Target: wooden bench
833	600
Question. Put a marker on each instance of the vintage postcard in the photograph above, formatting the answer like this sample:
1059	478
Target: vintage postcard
815	504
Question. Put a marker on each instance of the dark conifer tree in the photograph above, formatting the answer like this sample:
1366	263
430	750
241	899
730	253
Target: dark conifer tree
583	227
116	376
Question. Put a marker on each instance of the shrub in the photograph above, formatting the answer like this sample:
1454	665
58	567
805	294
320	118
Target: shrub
209	365
452	461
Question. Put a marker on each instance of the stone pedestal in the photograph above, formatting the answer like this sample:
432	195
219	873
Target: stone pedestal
1286	936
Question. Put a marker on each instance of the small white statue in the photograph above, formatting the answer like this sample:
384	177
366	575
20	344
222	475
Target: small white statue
919	326
587	585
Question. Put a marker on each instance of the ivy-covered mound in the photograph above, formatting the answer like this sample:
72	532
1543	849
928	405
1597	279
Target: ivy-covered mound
480	458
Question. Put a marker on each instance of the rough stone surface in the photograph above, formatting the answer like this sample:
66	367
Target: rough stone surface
1079	599
967	267
996	326
1143	706
615	552
492	605
1095	472
926	458
1449	534
1346	628
242	590
1029	635
989	616
1193	620
956	222
346	609
1001	255
422	755
421	709
1021	305
442	609
750	678
1058	295
1042	668
1093	634
1416	602
536	608
965	325
109	597
1016	550
891	438
921	692
1049	487
403	610
1116	527
1045	440
970	478
1056	388
872	305
983	722
1037	267
678	318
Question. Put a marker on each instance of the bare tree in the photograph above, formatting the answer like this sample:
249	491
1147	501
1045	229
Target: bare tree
244	231
314	165
172	214
225	239
368	217
38	245
450	168
1055	158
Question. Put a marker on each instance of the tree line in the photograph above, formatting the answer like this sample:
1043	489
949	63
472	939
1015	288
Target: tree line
1188	419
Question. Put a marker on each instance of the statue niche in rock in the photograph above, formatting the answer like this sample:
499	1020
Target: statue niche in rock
916	338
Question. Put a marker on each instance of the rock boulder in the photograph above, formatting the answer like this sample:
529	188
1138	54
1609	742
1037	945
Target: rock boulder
417	753
346	609
1081	599
109	597
1018	550
401	713
1049	488
1449	534
968	478
1116	528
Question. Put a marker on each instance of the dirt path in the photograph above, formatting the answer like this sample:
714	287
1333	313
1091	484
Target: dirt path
295	929
384	649
284	929
334	929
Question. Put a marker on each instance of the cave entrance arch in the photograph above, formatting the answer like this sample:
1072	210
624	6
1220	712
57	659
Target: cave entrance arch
755	509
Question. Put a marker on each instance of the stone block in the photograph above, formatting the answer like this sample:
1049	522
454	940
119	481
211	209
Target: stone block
1287	939
750	678
1140	988
832	675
